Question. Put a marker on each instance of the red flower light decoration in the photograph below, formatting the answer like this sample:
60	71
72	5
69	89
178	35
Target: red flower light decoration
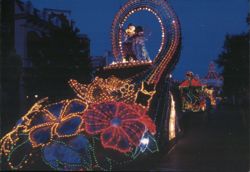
121	125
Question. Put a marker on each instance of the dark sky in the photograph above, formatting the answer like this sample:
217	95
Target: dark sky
204	25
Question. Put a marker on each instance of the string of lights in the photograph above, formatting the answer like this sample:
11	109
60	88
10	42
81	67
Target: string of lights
109	122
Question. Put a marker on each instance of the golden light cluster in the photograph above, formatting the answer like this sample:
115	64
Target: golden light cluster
172	119
102	90
12	137
127	64
112	89
9	139
211	96
145	93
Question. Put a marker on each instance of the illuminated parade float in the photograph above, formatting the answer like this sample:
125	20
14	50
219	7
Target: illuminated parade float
192	94
214	83
213	79
125	113
194	91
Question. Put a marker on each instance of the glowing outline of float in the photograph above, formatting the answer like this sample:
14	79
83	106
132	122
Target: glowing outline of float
170	39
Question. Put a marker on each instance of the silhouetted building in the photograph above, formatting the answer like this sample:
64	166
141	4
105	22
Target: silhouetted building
98	62
22	27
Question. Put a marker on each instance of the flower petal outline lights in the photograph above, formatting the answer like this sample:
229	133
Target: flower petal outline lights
121	125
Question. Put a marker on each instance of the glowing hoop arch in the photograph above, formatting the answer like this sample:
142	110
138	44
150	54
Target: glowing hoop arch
170	32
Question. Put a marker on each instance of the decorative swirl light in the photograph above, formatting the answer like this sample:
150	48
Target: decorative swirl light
169	27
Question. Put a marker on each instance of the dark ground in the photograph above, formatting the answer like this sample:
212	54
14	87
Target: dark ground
217	143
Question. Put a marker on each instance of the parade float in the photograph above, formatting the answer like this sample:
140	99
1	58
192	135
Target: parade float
214	84
192	94
112	121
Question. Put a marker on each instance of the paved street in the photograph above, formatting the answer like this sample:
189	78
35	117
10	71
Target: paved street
216	144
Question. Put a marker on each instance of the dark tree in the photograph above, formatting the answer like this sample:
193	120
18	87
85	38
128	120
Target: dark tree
10	81
235	63
57	57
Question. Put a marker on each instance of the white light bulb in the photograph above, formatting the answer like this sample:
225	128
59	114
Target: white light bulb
145	141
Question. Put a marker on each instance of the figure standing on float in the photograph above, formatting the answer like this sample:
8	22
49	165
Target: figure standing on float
134	44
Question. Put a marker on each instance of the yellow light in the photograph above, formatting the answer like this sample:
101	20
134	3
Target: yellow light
172	119
101	90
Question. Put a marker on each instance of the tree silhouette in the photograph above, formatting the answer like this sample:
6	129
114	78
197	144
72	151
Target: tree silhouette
235	63
57	57
10	82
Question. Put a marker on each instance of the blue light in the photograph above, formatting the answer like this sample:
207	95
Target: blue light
116	122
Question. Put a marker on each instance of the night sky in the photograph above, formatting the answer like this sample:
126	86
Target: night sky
204	25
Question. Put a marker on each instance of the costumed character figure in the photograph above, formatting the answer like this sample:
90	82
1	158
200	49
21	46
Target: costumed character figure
128	43
134	44
139	45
